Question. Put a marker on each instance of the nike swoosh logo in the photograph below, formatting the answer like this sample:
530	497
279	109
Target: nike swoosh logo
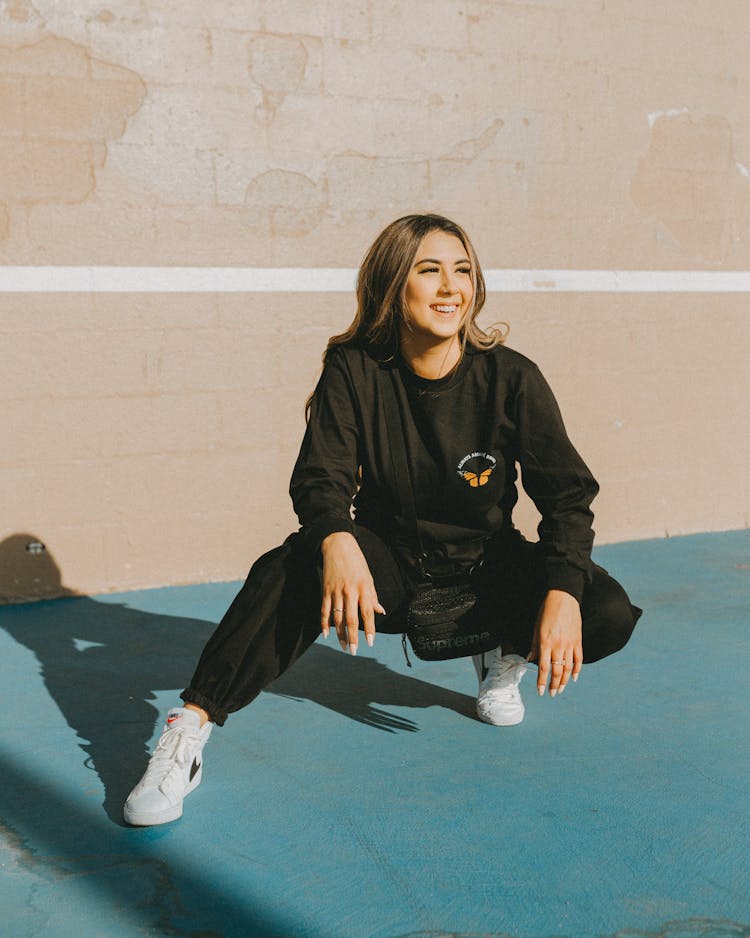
194	768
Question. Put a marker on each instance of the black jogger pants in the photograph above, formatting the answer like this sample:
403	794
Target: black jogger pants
275	617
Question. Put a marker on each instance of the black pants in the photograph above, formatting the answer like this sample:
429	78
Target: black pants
275	617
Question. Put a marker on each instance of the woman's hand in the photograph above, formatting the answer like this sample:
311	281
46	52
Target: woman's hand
348	591
557	644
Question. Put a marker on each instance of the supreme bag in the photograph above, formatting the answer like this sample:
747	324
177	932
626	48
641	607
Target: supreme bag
438	625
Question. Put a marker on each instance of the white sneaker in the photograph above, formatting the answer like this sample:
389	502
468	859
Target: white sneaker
174	770
499	699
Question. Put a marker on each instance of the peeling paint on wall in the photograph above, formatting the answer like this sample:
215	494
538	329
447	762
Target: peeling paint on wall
59	108
692	184
277	65
284	203
19	11
470	149
656	115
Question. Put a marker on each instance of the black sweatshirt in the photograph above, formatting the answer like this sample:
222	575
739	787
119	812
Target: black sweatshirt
464	435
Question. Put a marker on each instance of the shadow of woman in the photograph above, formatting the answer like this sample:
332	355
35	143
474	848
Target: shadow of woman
351	687
102	663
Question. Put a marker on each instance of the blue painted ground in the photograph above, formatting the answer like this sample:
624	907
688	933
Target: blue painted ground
358	799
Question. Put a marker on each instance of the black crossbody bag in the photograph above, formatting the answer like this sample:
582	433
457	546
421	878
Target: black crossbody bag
438	623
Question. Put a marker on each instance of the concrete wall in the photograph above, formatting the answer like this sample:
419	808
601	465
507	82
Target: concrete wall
148	438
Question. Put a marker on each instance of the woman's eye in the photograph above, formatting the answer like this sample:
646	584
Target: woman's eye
436	270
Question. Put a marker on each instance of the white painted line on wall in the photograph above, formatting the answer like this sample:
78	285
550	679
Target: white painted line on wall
342	280
176	279
619	281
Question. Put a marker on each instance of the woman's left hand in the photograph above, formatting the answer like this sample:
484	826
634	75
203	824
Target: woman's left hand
557	645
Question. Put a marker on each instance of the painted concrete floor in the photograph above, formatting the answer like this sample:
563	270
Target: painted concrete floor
357	799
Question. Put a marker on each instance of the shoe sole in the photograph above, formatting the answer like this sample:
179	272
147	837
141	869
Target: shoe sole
508	721
173	813
151	820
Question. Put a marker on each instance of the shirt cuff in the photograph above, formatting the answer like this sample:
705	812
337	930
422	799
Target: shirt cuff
561	576
316	533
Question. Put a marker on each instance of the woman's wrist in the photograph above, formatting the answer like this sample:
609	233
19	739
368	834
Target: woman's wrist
560	595
333	538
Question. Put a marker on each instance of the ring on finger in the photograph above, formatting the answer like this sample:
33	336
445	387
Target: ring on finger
338	609
558	662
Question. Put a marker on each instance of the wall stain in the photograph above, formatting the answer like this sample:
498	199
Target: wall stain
20	11
103	16
470	149
284	204
692	184
277	66
60	107
363	187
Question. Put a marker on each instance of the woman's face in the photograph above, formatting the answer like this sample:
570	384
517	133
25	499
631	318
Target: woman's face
438	291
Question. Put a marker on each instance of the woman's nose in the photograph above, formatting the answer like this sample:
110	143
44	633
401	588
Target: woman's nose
448	285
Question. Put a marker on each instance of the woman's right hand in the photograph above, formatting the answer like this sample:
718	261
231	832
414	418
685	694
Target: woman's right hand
348	591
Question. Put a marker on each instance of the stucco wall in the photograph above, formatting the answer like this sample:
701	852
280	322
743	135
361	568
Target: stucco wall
148	437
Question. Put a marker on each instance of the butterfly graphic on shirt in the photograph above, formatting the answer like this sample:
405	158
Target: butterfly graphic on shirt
476	468
476	479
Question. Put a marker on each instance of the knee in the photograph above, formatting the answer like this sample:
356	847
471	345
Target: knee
609	617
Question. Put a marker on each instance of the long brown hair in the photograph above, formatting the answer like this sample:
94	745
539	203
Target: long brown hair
381	285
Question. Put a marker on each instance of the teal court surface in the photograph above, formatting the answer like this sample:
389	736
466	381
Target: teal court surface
357	798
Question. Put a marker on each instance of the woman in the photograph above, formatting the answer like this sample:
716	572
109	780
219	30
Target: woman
471	409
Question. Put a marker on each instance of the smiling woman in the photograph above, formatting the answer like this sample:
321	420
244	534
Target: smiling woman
407	476
439	295
403	275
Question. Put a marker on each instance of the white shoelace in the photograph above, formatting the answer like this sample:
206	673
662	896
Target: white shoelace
505	675
175	748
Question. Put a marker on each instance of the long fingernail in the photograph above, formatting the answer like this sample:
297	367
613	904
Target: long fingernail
370	640
575	678
552	693
540	691
344	646
562	688
326	633
352	649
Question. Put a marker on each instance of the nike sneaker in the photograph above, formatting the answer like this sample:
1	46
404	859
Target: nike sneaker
499	698
174	770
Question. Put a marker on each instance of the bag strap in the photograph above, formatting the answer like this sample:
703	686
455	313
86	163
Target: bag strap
402	475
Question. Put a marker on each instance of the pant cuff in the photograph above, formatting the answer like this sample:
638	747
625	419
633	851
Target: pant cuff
217	715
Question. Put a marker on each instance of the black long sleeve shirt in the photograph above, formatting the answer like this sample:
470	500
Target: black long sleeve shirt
464	433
